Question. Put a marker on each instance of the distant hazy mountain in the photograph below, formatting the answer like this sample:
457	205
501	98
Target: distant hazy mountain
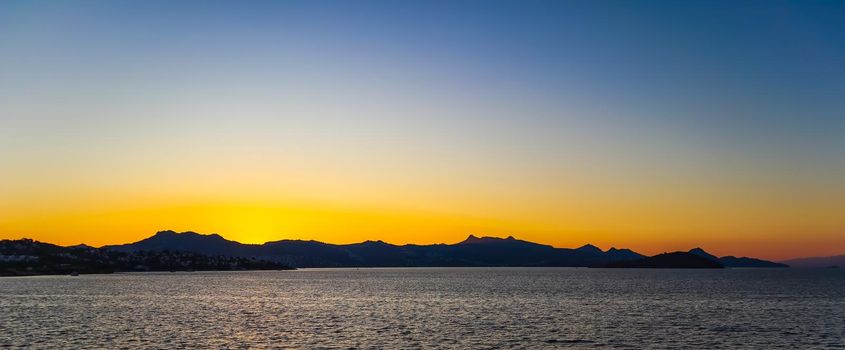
474	251
676	260
818	262
732	261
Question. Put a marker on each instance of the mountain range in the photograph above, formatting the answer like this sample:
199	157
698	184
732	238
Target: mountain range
732	261
473	251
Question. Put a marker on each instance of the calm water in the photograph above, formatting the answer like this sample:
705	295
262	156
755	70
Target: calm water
446	308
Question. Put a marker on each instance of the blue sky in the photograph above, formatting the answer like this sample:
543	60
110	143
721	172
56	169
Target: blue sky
482	103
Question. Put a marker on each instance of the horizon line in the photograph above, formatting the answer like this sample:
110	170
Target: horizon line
469	236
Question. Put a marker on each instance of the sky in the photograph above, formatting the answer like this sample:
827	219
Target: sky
650	125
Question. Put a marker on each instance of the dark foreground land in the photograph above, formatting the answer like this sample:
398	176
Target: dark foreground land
26	257
676	260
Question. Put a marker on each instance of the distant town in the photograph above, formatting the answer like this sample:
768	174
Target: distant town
27	257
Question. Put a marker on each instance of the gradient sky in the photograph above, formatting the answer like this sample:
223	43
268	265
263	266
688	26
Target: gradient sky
653	125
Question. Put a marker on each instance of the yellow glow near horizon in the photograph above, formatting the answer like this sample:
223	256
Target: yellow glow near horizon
641	229
354	195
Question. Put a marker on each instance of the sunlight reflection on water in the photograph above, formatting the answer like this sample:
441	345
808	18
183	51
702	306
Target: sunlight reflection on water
437	307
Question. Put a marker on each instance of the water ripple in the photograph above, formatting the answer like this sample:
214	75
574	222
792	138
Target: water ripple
485	308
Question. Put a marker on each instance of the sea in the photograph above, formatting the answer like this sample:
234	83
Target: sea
413	308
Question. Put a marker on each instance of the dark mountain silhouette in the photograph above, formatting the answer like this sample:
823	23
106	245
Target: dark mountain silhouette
188	241
622	254
676	260
81	246
732	261
700	252
589	249
817	262
473	251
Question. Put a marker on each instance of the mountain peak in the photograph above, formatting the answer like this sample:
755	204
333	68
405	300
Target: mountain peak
186	234
376	242
589	248
702	253
81	246
472	239
189	241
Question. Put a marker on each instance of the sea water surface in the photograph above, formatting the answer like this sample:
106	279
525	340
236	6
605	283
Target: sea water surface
466	308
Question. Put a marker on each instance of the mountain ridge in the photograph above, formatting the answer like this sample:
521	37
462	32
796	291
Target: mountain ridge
473	251
732	261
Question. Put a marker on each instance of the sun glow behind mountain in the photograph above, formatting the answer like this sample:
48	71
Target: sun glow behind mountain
422	123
